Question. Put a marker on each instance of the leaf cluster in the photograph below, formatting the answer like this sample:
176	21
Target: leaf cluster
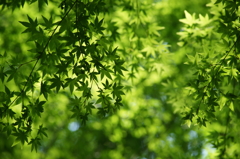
212	53
69	55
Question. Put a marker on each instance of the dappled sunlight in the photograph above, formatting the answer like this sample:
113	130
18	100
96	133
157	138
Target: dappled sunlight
118	79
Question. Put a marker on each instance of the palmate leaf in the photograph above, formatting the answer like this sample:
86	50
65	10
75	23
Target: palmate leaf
101	112
107	85
105	100
96	62
56	83
6	111
190	19
234	73
42	131
8	128
71	83
19	122
76	101
45	90
154	29
112	54
118	103
31	25
35	142
12	71
149	50
9	94
114	30
231	73
84	118
77	111
89	107
118	67
202	121
37	108
204	20
22	136
117	91
62	68
106	72
93	76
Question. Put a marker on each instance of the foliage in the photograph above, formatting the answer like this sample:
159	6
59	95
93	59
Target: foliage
68	54
215	70
95	79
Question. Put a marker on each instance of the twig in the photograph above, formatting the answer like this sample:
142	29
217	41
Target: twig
46	45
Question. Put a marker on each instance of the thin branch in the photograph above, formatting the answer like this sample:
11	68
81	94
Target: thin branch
46	45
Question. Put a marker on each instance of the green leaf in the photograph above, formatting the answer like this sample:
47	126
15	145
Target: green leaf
21	136
42	131
107	85
71	83
89	107
31	25
117	91
106	72
35	142
26	24
84	118
48	23
190	19
12	73
118	67
8	128
45	90
37	108
204	20
56	83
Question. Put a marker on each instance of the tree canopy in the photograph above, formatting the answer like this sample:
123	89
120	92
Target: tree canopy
120	79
